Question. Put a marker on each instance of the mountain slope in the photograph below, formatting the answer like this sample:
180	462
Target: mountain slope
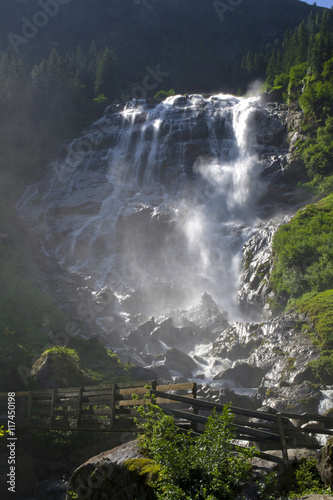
194	41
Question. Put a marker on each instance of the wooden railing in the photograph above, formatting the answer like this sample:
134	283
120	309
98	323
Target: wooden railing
90	408
273	431
112	408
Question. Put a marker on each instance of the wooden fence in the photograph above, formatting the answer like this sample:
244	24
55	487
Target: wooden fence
264	430
90	408
111	408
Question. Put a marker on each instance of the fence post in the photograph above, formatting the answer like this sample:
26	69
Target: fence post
29	407
53	398
80	407
112	407
282	438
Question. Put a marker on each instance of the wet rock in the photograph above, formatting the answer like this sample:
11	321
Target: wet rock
239	400
254	289
140	337
243	374
271	130
55	369
141	373
278	347
183	338
207	317
108	476
178	361
273	96
162	372
298	398
325	463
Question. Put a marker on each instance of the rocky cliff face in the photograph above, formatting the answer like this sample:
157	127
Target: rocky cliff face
167	211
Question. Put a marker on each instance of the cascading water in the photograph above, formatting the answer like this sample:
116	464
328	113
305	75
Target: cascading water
157	198
154	203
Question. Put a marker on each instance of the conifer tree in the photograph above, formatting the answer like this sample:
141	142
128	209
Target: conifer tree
106	77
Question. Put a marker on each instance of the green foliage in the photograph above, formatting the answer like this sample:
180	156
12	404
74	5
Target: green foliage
322	370
163	94
303	253
3	432
205	467
296	76
144	467
319	308
318	153
308	480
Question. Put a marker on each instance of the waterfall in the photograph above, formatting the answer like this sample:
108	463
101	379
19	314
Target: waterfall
157	198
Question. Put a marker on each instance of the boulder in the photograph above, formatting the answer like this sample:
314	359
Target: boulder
180	362
325	463
239	400
271	130
183	338
243	374
120	474
298	398
57	367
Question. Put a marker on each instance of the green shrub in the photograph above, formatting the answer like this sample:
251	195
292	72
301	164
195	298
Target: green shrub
318	153
322	370
205	467
163	94
308	480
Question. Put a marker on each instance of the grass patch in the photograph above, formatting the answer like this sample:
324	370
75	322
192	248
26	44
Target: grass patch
319	309
303	251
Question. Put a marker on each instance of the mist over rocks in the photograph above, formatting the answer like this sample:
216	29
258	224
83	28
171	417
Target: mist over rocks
166	211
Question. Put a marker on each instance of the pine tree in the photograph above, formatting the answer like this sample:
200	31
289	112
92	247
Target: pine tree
106	78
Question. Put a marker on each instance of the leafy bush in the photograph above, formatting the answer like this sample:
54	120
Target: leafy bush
205	467
308	480
322	370
318	153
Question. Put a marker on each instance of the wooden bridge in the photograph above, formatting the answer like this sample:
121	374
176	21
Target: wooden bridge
111	408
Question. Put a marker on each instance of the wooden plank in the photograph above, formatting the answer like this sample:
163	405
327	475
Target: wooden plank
199	403
307	417
128	385
95	411
239	428
327	432
132	390
176	387
134	402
